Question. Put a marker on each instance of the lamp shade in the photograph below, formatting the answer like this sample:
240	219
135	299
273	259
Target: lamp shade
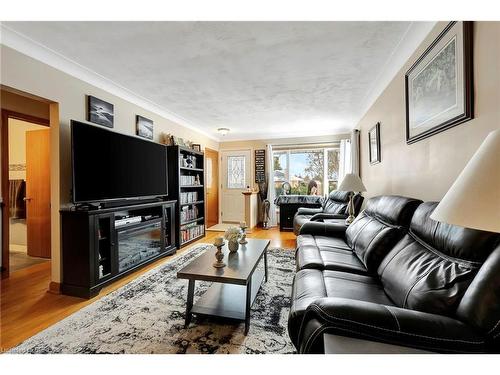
473	200
352	182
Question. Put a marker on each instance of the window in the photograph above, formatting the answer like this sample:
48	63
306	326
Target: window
236	172
308	171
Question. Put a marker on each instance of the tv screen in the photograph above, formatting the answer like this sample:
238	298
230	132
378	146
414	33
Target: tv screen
109	166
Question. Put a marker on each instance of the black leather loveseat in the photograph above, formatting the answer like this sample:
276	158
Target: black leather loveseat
334	206
397	277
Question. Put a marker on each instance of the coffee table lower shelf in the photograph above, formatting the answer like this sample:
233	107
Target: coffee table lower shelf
228	300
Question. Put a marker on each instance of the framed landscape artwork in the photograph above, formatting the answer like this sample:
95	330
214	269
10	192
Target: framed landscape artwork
100	112
144	127
374	144
439	85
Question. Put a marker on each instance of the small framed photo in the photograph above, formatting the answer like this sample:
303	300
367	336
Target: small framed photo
374	144
144	127
196	147
100	112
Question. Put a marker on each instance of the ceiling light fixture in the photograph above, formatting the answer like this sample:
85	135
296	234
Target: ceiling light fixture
223	131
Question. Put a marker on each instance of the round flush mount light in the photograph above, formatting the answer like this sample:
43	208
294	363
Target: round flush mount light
223	131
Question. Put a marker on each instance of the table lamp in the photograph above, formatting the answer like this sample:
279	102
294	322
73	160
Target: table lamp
473	200
351	182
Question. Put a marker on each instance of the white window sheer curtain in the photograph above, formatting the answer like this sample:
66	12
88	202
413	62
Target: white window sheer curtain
271	192
349	155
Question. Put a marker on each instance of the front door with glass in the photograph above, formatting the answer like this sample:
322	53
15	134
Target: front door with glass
235	177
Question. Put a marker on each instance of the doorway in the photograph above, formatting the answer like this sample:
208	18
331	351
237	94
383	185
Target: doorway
235	177
212	187
26	180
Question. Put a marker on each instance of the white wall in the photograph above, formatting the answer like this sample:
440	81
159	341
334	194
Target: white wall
426	169
29	75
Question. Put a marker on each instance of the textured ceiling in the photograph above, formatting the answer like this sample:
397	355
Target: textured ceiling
260	79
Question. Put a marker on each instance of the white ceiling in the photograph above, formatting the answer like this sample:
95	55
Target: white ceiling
260	79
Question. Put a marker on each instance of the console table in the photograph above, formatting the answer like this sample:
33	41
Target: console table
289	205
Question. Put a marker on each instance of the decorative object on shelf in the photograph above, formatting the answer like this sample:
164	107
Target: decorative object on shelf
374	144
232	235
196	147
219	255
223	131
473	199
438	87
260	165
100	112
177	141
351	182
144	127
166	139
197	180
286	188
243	228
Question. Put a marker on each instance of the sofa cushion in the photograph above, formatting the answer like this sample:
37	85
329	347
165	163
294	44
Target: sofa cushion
375	231
310	285
329	253
431	268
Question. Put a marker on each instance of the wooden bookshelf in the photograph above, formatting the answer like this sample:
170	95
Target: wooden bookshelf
186	185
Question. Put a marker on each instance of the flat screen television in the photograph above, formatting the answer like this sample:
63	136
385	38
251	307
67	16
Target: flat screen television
111	166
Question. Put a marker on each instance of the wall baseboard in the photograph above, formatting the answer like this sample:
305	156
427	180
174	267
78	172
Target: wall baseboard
54	288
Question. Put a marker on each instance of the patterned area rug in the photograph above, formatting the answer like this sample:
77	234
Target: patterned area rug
147	316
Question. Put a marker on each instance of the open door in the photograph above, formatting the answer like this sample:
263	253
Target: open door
38	192
212	187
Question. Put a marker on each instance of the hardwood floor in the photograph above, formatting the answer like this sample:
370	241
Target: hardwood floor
27	308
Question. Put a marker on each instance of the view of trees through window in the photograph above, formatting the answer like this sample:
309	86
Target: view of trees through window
312	171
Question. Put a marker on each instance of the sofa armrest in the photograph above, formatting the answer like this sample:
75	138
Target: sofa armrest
386	324
323	229
322	216
309	211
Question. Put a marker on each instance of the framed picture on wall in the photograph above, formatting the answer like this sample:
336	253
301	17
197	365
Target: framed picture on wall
374	144
100	112
144	127
438	87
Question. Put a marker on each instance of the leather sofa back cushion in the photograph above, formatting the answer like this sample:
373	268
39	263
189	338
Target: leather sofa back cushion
392	209
376	230
431	268
336	203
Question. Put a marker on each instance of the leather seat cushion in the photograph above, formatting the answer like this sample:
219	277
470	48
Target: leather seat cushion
328	253
310	284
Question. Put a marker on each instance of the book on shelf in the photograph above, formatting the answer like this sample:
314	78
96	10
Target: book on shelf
189	197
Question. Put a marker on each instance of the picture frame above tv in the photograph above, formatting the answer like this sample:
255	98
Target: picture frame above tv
100	112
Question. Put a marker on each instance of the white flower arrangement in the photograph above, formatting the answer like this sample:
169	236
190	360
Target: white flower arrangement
232	234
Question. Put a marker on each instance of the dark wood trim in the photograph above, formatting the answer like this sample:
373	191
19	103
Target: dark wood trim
468	81
377	129
5	116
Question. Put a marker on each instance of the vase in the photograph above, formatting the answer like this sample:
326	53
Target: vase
233	246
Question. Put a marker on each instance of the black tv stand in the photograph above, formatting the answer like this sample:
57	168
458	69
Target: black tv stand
98	249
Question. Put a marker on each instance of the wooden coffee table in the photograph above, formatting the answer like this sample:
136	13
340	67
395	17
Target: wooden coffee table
234	287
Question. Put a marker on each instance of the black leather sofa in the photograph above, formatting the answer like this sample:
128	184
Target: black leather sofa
334	207
395	276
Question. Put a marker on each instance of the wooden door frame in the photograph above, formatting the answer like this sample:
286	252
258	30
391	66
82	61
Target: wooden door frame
6	115
217	182
249	149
